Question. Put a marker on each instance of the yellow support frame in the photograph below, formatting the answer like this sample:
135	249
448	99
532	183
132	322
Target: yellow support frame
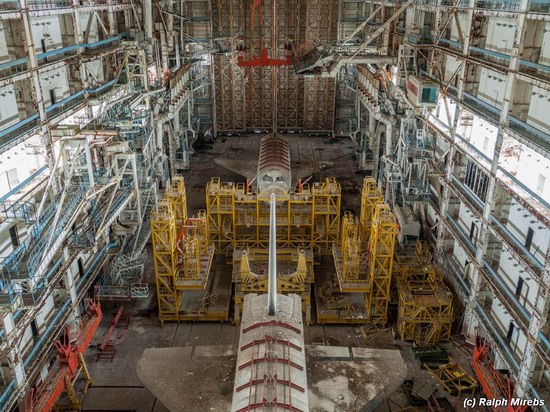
176	195
425	310
220	213
194	249
371	195
306	218
348	258
381	254
163	236
326	214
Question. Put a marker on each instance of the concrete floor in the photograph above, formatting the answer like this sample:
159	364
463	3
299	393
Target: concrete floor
118	388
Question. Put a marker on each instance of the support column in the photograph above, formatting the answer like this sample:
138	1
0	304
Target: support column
70	287
33	69
539	321
13	358
503	122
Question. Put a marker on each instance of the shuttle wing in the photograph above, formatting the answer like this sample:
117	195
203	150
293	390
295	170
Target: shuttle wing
303	170
246	168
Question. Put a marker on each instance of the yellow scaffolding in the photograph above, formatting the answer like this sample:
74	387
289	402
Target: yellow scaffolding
163	236
326	214
175	194
306	218
425	311
371	195
348	258
361	291
220	213
195	254
380	260
183	258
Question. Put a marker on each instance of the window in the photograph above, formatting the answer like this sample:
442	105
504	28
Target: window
477	180
540	184
485	144
13	178
429	95
529	238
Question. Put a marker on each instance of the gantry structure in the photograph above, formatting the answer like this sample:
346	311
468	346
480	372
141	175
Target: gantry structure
83	92
446	102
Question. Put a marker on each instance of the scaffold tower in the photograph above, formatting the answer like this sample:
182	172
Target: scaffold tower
380	257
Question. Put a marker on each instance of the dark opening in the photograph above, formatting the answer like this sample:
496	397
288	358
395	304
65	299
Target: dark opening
14	236
529	238
52	96
519	286
80	267
34	328
43	43
472	229
510	331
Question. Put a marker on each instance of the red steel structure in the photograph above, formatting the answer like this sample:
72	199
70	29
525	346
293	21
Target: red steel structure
69	362
263	60
496	384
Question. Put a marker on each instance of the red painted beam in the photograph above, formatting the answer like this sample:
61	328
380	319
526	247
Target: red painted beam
111	329
263	61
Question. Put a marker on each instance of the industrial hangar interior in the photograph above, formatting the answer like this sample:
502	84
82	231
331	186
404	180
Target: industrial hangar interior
274	205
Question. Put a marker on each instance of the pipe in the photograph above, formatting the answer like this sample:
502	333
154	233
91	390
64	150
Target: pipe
272	264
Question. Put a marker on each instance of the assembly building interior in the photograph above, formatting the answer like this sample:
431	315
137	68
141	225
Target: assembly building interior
379	166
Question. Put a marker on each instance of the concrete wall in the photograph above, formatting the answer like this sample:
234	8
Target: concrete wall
491	87
4	54
25	161
454	29
519	222
545	46
451	66
9	114
48	29
502	321
92	30
530	166
500	34
510	271
539	108
57	80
